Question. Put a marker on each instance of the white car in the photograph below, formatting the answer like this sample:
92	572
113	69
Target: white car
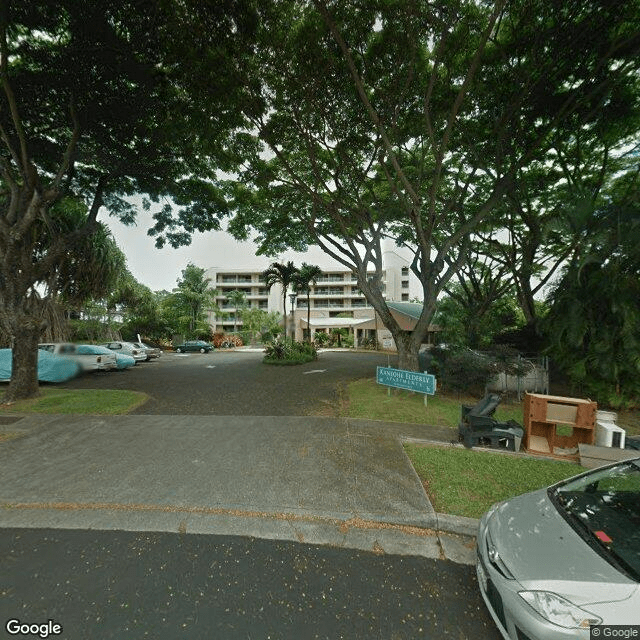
128	348
87	361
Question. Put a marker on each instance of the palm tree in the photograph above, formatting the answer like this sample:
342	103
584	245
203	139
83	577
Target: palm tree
307	275
239	300
282	274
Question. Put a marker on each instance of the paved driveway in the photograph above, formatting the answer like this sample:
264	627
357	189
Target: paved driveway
237	383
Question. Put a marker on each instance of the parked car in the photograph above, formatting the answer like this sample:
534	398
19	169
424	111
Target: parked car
123	361
554	562
88	361
194	345
152	352
51	368
127	348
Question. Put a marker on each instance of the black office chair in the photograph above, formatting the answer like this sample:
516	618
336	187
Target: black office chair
478	427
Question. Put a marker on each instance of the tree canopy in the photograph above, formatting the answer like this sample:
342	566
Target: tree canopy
414	121
93	106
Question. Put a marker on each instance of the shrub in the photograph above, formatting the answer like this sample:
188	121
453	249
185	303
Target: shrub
321	338
368	343
459	369
289	352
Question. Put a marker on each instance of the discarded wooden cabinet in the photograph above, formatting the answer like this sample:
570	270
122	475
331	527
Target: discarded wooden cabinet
543	414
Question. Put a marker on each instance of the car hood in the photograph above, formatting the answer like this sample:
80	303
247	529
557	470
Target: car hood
544	553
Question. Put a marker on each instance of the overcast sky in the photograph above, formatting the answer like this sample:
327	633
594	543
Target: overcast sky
161	268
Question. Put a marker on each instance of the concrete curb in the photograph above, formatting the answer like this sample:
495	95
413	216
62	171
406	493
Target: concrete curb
459	525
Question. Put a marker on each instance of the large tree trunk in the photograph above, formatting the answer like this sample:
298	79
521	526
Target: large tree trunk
407	351
24	377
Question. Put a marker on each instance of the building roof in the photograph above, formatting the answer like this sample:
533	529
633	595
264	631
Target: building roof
411	309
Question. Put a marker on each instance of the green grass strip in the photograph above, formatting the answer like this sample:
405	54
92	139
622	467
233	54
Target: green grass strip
79	401
368	400
303	359
466	483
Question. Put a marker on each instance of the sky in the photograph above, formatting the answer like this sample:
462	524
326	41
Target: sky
161	268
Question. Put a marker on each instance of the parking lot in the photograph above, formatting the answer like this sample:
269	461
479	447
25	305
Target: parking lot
236	382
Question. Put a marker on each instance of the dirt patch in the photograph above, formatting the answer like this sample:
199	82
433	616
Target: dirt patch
4	437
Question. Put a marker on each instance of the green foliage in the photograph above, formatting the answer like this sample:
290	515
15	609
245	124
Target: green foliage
94	108
321	338
459	368
368	343
282	274
306	276
258	322
289	352
339	337
417	121
81	401
593	325
466	370
371	401
143	312
185	308
474	321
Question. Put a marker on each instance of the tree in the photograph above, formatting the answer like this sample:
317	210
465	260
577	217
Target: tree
593	325
549	208
413	120
141	310
238	299
191	299
307	275
93	106
479	305
282	274
258	321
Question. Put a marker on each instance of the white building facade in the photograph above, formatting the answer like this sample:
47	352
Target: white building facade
335	299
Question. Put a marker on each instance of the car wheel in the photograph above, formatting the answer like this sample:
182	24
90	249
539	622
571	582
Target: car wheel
203	350
178	350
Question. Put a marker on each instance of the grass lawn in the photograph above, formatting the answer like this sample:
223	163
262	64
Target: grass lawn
458	481
87	401
464	482
369	400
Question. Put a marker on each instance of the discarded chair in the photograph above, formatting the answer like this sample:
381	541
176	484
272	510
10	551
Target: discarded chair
478	427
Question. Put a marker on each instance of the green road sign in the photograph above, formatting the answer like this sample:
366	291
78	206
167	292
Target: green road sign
411	380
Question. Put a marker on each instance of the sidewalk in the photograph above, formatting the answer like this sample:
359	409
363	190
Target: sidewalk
340	482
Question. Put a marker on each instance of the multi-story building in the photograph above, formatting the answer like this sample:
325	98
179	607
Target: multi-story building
335	299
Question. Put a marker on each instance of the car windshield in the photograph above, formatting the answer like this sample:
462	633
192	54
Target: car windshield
604	508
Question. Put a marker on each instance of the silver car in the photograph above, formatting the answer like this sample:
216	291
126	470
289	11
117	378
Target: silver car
554	562
152	352
128	348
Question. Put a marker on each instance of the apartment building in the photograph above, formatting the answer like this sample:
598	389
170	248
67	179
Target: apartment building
335	299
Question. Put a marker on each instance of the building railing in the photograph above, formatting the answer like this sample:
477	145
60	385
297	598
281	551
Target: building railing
234	279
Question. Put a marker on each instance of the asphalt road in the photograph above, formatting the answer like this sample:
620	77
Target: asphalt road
100	585
237	383
138	584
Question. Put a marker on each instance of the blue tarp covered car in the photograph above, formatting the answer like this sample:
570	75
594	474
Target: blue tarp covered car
51	368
